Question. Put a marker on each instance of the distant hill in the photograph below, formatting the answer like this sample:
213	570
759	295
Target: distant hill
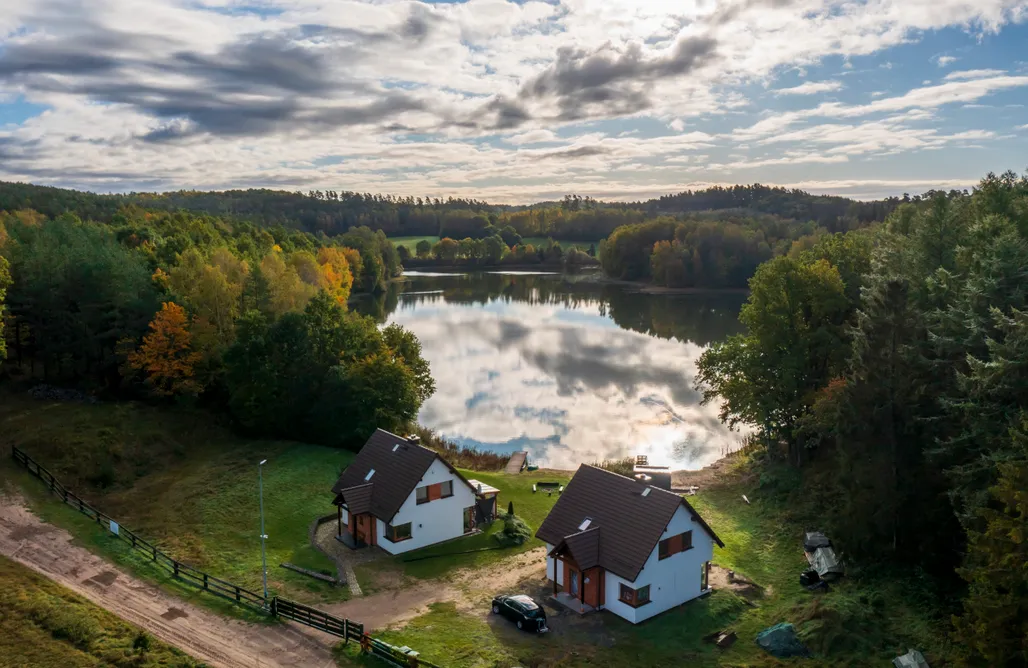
334	212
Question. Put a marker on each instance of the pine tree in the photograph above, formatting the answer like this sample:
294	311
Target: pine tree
995	620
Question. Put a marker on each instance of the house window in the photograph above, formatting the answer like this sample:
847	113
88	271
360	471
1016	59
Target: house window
422	495
370	473
398	532
446	489
634	597
675	544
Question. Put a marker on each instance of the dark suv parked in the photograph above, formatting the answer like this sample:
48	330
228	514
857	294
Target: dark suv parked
523	611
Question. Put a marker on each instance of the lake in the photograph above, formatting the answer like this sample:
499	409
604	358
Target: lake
568	367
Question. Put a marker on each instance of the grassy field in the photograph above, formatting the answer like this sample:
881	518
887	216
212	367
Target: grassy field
863	621
43	625
176	477
412	242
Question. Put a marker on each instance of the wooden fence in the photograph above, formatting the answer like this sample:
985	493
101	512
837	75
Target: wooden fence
279	607
179	570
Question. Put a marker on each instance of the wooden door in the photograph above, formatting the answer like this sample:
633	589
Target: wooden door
591	586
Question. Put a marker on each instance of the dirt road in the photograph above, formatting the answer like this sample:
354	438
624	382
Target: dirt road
209	637
471	589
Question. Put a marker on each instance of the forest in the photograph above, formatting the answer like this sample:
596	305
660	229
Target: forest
195	308
886	370
574	218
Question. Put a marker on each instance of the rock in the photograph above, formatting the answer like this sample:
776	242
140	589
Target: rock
51	393
912	659
780	640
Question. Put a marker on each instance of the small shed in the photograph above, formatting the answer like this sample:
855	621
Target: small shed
487	503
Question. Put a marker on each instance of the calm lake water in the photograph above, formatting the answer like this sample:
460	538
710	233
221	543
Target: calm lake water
567	367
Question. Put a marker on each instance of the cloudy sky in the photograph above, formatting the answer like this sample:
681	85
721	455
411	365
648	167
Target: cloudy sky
513	101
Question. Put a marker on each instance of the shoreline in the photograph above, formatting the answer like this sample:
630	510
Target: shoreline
590	273
681	478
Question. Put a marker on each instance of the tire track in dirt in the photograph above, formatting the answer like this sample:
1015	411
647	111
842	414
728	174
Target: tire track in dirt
209	637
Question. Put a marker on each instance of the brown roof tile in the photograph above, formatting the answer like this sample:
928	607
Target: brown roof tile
399	466
630	523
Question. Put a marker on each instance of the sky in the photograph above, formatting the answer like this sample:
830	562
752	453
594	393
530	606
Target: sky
513	101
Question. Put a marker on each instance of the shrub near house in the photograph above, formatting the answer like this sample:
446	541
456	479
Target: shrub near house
618	544
401	496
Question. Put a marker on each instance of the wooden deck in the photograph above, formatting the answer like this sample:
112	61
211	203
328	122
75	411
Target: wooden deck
517	462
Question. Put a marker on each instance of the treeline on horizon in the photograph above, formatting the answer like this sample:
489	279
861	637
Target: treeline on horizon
332	212
184	307
886	371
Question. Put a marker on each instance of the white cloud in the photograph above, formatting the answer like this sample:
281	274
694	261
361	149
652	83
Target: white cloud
943	61
973	74
405	97
810	88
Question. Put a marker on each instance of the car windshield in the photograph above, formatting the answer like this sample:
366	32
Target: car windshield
534	613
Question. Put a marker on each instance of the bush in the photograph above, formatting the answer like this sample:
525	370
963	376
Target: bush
625	467
515	531
462	456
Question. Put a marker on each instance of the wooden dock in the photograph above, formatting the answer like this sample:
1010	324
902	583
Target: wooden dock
517	462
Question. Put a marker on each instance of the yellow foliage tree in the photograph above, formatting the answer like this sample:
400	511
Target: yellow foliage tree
353	256
336	274
286	291
211	290
166	356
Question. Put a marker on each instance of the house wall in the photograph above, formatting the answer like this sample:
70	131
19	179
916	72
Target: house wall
431	522
672	581
549	567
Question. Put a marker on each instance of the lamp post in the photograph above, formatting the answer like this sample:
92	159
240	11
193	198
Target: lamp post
264	537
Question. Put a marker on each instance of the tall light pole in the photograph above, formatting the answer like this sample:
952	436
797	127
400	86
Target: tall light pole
264	536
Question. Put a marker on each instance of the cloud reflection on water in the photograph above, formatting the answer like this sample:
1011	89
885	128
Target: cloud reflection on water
557	378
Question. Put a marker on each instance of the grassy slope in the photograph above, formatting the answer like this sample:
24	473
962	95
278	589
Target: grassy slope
178	478
863	620
44	625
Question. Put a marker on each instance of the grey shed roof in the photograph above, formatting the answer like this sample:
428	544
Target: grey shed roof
624	525
399	466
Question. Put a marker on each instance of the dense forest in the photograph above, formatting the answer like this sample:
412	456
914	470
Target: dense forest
887	372
328	212
178	306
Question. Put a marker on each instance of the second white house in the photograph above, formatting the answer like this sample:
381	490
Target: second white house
402	496
617	544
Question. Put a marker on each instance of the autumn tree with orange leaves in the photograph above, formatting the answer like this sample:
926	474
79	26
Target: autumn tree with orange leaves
166	356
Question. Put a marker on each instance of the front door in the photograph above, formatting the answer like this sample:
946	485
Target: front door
591	586
364	530
573	583
469	519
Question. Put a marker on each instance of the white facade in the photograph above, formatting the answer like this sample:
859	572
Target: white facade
549	567
432	522
672	581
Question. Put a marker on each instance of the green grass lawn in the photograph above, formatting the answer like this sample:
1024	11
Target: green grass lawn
44	625
175	477
412	242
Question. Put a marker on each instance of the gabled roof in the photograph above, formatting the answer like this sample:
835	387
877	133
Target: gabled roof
583	547
624	525
399	466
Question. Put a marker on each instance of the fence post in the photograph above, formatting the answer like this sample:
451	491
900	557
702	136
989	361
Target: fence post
175	565
205	581
154	548
346	631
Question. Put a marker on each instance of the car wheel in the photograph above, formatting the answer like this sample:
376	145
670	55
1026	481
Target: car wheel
520	624
496	609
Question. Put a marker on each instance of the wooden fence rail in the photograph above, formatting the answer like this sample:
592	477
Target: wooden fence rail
280	607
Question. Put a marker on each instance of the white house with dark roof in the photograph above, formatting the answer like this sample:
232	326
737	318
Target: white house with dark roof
402	496
614	543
